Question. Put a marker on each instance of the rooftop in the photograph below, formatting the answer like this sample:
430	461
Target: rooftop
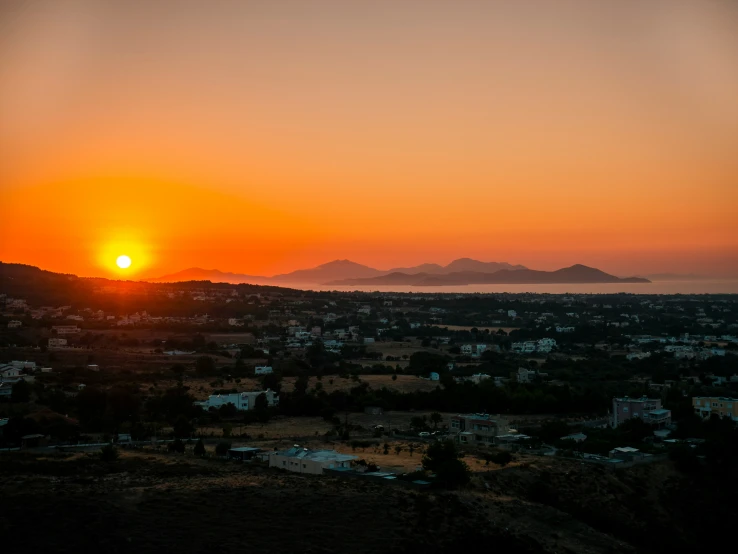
626	449
316	455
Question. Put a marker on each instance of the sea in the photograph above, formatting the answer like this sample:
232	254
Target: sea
698	286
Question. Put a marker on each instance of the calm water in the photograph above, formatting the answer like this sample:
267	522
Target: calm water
657	287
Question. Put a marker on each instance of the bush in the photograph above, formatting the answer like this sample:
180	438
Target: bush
502	458
176	446
222	448
443	459
199	449
109	453
685	459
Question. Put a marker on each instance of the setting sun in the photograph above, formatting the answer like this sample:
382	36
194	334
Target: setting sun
123	262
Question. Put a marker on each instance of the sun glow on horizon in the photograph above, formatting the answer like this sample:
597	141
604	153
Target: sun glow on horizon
125	254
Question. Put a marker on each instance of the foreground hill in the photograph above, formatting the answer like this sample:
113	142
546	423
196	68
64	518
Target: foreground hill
568	275
148	502
46	288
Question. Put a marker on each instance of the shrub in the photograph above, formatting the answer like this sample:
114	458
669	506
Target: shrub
502	458
442	458
109	453
222	448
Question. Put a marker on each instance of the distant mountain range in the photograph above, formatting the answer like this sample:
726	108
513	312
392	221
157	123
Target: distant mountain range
574	274
464	271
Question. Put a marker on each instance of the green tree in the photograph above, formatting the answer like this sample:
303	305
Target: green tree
176	446
205	365
179	370
418	422
261	408
222	448
21	392
199	449
502	458
272	381
436	419
443	459
140	432
552	431
182	427
108	453
316	354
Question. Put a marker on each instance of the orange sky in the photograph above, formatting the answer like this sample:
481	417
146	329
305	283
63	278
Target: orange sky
262	137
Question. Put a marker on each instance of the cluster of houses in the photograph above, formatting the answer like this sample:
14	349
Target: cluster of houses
542	346
242	401
685	346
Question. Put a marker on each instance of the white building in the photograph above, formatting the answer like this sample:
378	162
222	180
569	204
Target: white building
263	370
303	460
235	322
512	313
466	349
243	401
546	345
9	372
14	324
526	347
57	343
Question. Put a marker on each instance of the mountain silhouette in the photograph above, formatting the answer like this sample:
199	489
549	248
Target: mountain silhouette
569	275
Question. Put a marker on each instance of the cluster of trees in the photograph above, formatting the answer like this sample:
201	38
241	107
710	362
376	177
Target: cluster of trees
452	397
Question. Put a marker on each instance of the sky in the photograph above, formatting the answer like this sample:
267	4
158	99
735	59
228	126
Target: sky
263	137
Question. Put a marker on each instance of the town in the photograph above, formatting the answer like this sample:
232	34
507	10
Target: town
417	390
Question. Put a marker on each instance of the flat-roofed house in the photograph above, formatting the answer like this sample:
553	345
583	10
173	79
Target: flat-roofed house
304	460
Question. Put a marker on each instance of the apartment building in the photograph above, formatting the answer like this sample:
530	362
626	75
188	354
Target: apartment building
706	406
477	428
648	409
